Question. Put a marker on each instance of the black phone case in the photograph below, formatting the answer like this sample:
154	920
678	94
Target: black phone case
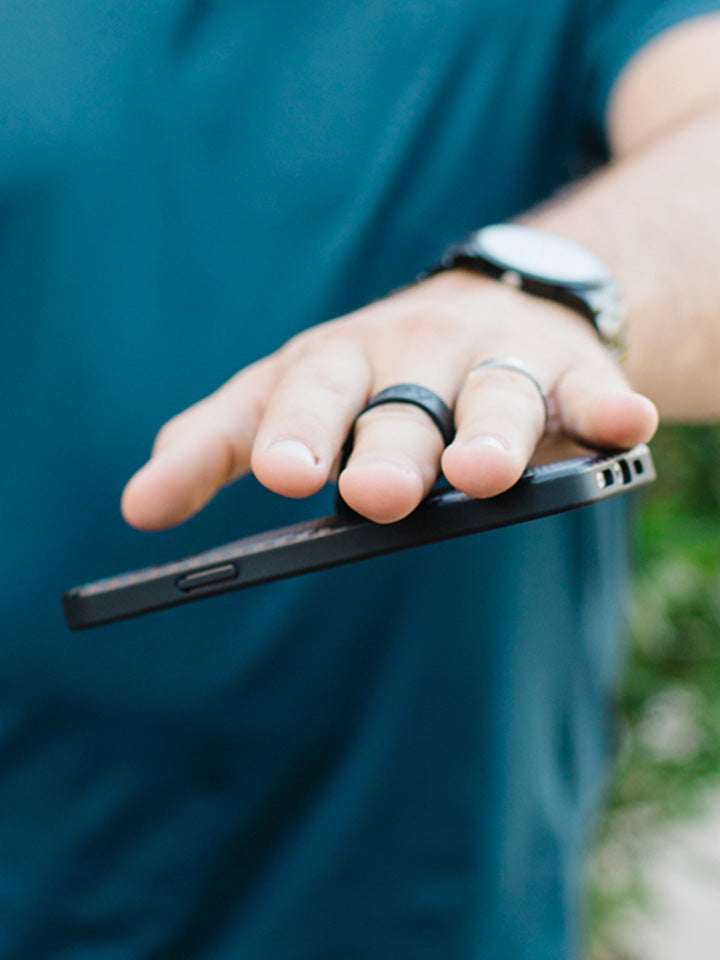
345	537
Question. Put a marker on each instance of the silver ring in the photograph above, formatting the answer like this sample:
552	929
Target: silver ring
511	363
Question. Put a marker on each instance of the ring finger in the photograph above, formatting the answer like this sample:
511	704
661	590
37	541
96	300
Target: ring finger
501	413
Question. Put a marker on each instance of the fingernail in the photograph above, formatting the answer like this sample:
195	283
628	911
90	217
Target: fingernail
485	441
296	450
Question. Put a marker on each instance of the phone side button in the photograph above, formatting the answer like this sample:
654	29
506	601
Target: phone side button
203	578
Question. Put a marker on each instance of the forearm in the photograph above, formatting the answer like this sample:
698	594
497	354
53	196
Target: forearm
653	217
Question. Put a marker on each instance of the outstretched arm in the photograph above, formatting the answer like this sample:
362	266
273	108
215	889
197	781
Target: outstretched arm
651	215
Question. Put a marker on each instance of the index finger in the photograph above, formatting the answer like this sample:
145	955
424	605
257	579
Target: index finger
199	451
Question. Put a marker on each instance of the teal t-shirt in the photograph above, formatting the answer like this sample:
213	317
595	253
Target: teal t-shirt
395	760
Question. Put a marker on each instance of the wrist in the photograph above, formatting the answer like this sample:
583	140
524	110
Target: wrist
547	266
507	314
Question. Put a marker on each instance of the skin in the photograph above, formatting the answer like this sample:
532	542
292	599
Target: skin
651	215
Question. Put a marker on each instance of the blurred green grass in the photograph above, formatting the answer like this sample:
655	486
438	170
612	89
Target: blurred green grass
669	754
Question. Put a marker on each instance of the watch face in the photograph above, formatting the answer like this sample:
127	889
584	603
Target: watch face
544	256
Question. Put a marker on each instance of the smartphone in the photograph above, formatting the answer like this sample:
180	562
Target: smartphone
346	537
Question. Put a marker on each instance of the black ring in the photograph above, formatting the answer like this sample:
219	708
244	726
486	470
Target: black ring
433	405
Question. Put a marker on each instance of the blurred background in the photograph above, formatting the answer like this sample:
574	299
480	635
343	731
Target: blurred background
655	871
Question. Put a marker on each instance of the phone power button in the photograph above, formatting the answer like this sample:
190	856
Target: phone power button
206	577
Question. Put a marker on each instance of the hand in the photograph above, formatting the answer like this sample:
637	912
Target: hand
286	416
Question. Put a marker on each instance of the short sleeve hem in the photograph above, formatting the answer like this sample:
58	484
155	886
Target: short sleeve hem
619	31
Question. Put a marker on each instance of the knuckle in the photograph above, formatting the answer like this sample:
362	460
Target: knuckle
433	324
313	338
333	367
329	344
295	348
169	432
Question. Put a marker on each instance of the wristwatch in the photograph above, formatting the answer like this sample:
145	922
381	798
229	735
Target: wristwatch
547	266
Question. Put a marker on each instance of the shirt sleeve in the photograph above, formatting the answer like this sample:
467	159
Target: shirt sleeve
616	31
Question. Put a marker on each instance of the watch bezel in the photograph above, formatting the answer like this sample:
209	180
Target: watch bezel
588	272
